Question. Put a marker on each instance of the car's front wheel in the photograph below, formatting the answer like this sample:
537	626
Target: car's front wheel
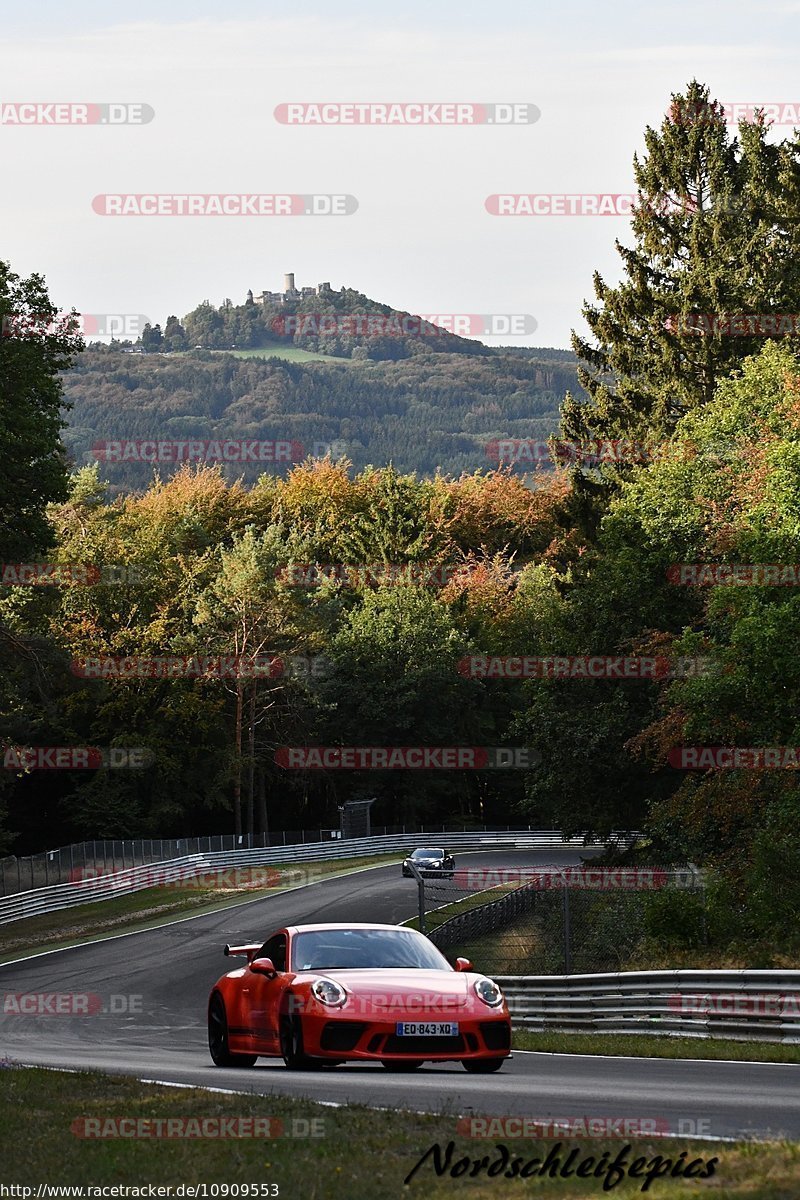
482	1066
218	1038
292	1052
401	1064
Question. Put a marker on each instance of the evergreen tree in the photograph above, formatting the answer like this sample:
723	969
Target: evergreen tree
36	345
716	235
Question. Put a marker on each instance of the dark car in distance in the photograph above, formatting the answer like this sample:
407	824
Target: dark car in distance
430	861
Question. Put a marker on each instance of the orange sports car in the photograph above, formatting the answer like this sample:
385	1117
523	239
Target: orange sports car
321	995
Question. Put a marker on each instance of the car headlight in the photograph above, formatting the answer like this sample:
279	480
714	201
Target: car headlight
328	992
488	991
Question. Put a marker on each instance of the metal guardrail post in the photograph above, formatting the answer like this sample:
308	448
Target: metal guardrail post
420	894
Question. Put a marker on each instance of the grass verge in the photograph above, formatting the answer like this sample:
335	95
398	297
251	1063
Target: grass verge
360	1153
290	353
645	1046
153	906
438	916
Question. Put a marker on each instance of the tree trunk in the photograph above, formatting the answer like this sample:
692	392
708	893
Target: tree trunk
237	778
251	763
263	824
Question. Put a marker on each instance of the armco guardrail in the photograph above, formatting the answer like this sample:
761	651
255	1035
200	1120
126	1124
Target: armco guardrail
48	867
485	918
134	879
743	1005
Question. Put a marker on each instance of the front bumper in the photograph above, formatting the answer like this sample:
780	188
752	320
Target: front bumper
370	1040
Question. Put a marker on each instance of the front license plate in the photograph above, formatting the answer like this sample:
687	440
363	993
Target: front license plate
427	1029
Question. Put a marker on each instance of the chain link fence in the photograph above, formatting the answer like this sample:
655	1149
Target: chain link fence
558	920
69	863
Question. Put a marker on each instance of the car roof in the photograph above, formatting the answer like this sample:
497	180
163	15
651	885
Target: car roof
340	925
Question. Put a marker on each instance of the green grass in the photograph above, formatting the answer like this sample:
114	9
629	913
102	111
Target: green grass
438	916
645	1046
154	906
360	1154
290	353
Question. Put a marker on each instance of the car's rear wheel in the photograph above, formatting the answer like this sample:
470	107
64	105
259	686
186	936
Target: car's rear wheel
482	1066
401	1064
218	1038
292	1051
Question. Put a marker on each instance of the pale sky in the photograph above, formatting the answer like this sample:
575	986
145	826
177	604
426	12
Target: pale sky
421	238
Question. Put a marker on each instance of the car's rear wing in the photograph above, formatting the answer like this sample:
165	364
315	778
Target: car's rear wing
248	952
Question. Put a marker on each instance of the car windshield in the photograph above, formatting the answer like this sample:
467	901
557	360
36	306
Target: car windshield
428	854
328	949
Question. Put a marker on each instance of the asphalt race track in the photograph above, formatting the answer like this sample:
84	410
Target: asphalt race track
154	987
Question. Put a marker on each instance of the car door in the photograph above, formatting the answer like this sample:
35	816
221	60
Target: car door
262	997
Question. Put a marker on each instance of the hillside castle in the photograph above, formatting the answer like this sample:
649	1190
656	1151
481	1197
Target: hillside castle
289	293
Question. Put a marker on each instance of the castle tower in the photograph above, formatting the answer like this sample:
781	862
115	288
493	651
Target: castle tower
288	282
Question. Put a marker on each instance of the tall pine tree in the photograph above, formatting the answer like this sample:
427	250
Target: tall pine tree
716	235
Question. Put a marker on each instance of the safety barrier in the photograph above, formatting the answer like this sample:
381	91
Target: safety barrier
745	1005
132	879
29	872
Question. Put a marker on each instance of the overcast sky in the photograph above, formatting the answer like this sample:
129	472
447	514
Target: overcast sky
421	238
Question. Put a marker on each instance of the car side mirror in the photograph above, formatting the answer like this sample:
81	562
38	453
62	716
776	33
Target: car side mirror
263	966
462	964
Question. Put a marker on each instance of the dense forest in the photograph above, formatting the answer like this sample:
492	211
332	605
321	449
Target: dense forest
426	413
385	606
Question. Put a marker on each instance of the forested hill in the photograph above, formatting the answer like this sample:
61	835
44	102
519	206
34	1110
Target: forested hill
430	411
342	322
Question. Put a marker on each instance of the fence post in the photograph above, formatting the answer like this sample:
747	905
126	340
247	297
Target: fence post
420	894
567	939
